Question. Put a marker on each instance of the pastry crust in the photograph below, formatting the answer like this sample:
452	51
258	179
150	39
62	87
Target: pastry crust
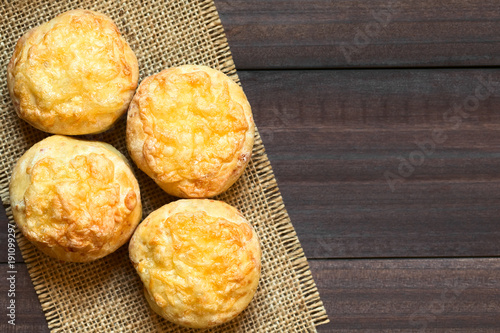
72	75
75	200
191	129
199	260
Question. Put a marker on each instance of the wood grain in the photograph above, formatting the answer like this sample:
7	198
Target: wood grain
410	295
332	135
267	34
29	317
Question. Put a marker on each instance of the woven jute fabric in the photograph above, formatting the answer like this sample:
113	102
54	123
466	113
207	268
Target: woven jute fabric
107	295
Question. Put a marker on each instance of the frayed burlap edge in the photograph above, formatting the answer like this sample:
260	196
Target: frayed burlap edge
288	235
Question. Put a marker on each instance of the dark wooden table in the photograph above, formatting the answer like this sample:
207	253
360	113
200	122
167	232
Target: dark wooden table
381	119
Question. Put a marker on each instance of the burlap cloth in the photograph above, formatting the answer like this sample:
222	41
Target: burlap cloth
106	295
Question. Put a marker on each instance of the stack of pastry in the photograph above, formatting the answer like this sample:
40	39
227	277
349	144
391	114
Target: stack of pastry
189	128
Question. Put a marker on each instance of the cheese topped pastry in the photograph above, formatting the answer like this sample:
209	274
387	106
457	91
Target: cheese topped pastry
199	260
191	129
75	200
72	75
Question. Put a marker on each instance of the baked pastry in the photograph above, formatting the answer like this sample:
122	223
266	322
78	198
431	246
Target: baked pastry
191	129
199	260
72	75
75	200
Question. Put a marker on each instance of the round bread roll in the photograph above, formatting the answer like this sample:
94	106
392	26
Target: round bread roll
191	129
75	200
199	260
72	75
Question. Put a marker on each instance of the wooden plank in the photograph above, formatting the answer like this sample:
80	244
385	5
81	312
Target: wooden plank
332	135
267	34
29	317
420	295
438	295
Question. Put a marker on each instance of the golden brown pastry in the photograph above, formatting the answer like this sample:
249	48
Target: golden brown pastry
72	75
191	129
199	260
75	200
